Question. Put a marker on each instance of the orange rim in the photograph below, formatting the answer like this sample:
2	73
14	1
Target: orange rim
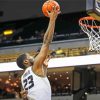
88	18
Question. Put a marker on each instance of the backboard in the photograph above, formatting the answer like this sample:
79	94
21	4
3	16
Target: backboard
97	6
93	8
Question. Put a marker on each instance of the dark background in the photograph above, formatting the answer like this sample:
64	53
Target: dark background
23	9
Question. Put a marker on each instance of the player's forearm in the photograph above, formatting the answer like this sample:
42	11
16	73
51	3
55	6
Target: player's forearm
49	33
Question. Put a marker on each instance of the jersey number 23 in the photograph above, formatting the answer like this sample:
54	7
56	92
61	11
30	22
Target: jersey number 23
28	82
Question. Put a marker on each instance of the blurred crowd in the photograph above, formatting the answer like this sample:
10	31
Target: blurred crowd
37	37
12	89
32	30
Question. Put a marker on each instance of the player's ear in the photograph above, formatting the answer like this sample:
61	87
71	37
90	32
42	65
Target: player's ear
25	61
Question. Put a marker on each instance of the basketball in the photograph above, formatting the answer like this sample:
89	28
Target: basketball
48	7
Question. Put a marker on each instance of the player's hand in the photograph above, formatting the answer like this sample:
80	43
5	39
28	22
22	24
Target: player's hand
24	94
54	13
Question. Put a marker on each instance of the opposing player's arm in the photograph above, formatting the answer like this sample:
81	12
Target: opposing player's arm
38	62
24	94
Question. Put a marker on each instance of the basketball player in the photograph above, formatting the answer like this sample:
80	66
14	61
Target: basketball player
34	80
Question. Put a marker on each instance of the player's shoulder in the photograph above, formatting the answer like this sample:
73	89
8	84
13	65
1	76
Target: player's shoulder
27	71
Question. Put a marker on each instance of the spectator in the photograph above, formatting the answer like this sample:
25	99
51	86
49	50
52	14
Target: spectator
59	51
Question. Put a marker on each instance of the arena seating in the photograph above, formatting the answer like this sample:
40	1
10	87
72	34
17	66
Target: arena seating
67	51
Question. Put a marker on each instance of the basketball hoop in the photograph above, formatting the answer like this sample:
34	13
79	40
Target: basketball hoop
91	27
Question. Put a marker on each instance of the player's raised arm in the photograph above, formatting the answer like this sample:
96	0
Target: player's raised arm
38	62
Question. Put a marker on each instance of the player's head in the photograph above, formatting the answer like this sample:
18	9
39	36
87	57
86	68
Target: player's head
25	60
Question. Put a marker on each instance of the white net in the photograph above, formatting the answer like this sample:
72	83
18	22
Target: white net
92	29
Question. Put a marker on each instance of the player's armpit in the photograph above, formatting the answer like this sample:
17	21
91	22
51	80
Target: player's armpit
45	63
